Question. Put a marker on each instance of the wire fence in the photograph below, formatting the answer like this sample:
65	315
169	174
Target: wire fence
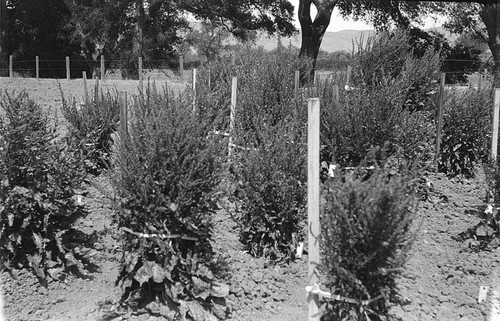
130	69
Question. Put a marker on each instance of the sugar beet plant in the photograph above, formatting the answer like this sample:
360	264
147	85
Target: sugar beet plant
271	184
91	125
39	177
466	124
166	176
366	236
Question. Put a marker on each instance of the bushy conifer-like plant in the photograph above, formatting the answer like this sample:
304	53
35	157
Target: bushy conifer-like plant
166	174
90	125
365	238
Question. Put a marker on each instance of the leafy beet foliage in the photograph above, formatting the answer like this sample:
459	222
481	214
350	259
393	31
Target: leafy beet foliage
39	177
365	239
466	122
91	125
271	184
166	173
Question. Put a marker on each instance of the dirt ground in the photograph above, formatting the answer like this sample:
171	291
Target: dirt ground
441	281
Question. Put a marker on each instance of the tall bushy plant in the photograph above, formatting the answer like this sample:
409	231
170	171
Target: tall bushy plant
265	88
390	103
272	187
167	174
91	125
465	135
39	177
366	235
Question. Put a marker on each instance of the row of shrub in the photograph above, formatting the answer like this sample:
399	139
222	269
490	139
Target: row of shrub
167	173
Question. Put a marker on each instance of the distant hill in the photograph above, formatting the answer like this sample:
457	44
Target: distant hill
332	41
335	41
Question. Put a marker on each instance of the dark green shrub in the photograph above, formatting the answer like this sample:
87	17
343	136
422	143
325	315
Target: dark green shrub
90	125
390	103
365	239
39	178
272	187
466	124
166	175
265	89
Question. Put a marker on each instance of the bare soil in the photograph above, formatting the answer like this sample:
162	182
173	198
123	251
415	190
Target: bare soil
441	281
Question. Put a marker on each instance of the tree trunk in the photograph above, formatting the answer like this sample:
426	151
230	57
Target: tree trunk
490	14
313	30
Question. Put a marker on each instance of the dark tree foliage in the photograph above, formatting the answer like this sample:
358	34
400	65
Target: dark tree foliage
36	28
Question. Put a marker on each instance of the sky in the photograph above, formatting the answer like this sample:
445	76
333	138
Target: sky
338	23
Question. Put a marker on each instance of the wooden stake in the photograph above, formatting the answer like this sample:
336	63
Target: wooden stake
348	78
96	93
84	75
37	67
140	75
102	68
194	90
123	116
68	74
335	94
494	135
181	68
440	119
297	85
313	200
480	81
11	63
234	89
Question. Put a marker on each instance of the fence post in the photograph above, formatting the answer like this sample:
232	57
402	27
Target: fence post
68	75
494	135
140	75
37	67
348	78
123	116
181	67
313	201
234	89
335	93
102	68
440	119
194	90
297	85
11	63
84	76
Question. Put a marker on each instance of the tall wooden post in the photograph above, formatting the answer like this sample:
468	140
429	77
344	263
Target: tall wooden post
194	89
11	63
494	135
335	94
37	67
181	68
84	76
68	74
234	90
440	119
297	85
123	116
348	78
102	68
140	75
313	201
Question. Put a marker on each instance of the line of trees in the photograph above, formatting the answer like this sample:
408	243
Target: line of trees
159	29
